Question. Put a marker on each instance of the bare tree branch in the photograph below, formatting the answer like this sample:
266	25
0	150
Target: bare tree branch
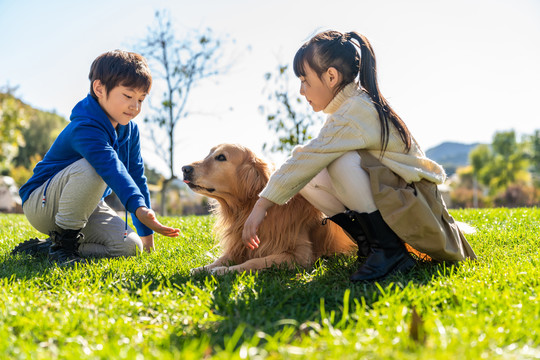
286	113
179	64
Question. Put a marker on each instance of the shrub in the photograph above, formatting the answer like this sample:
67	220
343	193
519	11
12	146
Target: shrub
463	197
517	195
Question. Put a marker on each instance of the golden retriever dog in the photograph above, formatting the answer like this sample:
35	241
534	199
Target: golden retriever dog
291	234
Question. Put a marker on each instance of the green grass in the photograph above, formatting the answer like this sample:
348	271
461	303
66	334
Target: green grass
150	307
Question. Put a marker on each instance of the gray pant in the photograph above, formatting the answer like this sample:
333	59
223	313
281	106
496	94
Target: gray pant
73	201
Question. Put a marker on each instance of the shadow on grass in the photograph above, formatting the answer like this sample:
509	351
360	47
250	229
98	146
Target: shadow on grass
270	300
26	267
23	266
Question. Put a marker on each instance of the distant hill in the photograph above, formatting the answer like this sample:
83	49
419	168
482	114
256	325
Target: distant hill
451	155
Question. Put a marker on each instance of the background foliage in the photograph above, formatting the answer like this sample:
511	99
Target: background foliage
503	173
27	133
287	114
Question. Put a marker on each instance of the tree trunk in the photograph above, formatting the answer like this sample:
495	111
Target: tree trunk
164	188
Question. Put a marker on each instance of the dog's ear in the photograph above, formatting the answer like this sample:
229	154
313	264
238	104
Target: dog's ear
253	176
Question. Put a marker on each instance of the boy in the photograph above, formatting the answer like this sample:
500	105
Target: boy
99	150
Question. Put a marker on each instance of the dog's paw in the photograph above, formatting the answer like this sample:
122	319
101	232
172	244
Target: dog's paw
202	269
220	270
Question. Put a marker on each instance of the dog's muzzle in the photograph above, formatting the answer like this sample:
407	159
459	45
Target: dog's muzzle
187	172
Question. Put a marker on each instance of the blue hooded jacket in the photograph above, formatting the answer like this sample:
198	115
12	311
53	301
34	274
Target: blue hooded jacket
115	155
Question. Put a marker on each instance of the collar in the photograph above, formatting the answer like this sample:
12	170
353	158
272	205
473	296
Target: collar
349	90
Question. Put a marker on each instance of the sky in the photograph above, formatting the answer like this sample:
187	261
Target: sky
457	70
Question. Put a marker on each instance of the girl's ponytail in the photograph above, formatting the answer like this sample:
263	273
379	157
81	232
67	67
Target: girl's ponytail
368	80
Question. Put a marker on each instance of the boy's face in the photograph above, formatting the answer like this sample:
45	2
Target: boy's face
121	104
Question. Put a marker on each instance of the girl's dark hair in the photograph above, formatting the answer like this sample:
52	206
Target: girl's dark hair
120	67
334	49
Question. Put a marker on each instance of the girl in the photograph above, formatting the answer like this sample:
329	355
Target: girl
364	170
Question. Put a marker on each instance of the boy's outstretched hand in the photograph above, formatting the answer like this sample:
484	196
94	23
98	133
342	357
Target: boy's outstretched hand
148	218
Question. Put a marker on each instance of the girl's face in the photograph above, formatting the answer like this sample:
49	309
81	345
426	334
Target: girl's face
317	91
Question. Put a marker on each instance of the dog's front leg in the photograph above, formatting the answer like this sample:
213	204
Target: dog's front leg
220	262
257	264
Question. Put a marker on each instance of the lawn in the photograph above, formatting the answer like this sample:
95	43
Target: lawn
150	307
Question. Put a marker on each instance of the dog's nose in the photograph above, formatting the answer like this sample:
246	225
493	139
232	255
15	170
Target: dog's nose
187	170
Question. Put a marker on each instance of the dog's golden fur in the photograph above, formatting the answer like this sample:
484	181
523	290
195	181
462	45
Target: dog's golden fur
290	234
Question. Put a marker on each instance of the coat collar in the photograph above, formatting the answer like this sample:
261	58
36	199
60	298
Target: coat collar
349	90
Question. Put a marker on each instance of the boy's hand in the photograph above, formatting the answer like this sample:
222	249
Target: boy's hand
148	243
148	218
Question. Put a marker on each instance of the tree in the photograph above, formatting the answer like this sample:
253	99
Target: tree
12	114
180	64
27	133
466	192
286	114
535	154
40	131
502	164
152	175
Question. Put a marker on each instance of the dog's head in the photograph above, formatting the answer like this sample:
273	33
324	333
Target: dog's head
230	173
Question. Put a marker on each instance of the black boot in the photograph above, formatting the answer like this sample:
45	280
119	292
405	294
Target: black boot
65	245
33	247
349	223
388	253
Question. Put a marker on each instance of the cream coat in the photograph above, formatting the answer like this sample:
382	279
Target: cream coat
352	124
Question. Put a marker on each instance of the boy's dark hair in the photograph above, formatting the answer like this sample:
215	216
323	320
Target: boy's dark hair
119	67
352	60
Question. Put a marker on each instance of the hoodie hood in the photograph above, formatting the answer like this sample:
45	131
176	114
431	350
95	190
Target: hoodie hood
89	109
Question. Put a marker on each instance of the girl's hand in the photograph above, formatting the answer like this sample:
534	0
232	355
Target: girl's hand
148	218
249	234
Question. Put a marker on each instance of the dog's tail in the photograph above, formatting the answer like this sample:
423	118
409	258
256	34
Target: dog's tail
330	239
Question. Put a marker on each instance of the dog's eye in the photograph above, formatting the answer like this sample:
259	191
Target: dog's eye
221	157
